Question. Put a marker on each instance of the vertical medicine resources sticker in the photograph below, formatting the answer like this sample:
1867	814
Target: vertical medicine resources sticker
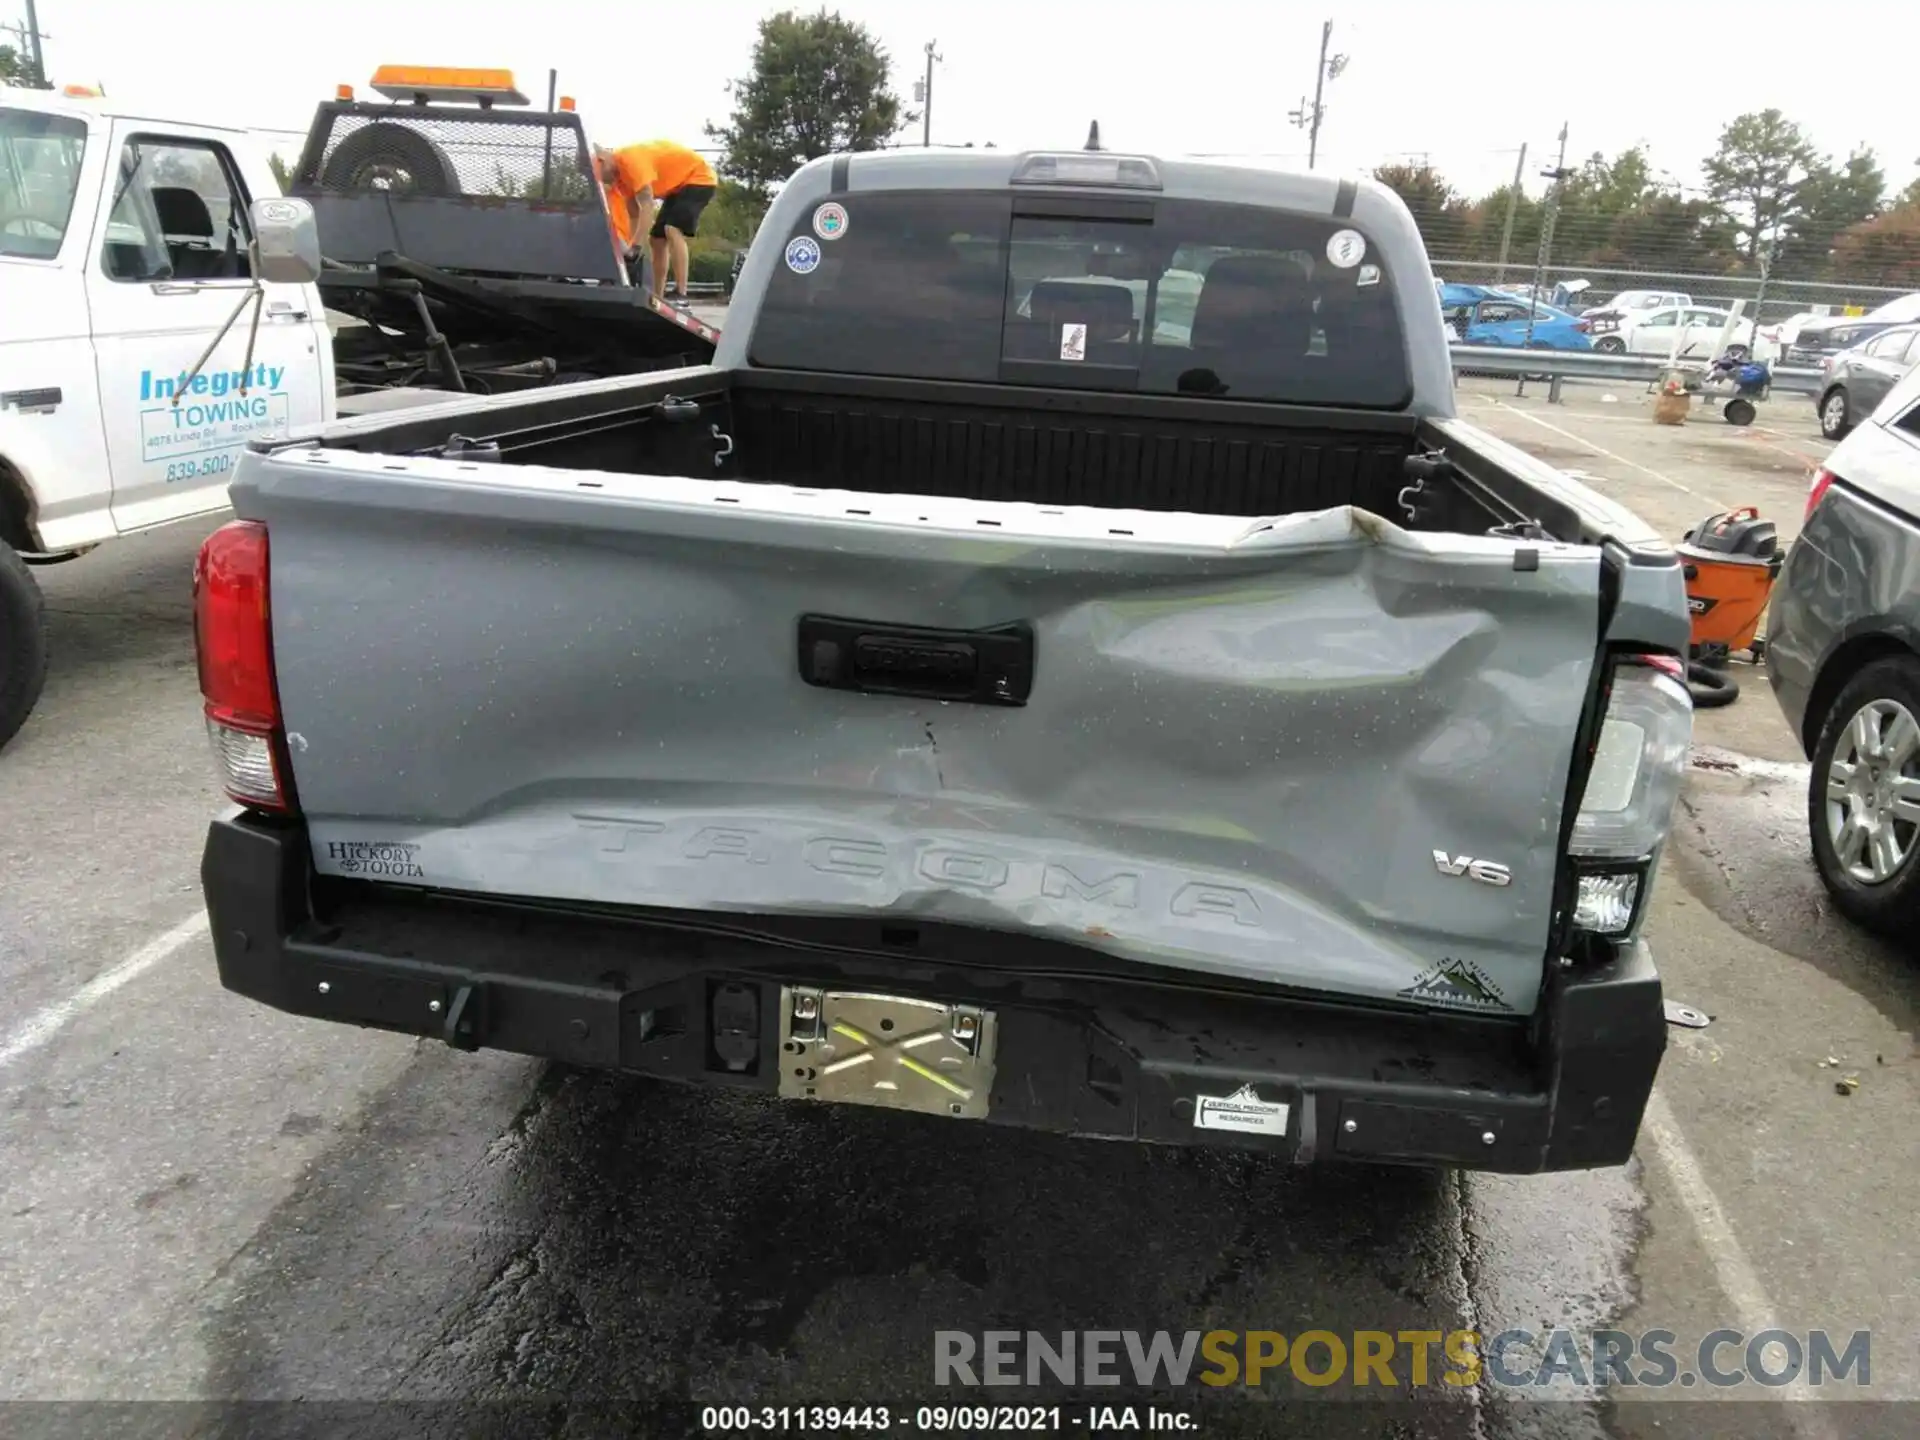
1243	1110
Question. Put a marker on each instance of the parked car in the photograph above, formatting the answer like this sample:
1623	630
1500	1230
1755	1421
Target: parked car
1830	334
1857	380
1629	302
1782	333
1500	319
1651	332
1843	650
799	724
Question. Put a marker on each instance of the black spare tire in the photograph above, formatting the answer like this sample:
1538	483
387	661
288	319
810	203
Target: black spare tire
391	157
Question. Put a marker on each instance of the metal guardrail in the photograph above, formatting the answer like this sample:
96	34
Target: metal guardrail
1559	365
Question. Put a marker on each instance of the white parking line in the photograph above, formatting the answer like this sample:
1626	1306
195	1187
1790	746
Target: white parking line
1608	454
1753	1309
47	1023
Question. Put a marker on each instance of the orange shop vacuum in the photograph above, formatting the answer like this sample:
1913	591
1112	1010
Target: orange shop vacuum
1730	562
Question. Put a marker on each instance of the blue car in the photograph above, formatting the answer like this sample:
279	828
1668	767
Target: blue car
1480	316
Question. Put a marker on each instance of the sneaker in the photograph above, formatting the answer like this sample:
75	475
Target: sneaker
679	302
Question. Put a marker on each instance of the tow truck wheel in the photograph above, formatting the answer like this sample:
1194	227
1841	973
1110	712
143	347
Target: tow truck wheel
394	158
23	642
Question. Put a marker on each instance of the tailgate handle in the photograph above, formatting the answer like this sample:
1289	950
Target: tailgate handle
979	667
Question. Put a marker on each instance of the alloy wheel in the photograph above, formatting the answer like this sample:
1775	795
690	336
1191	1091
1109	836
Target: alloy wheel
1873	792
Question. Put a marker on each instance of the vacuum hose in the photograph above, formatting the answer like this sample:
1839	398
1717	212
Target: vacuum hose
1710	686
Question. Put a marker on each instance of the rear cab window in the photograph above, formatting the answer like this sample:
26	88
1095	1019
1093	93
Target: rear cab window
39	176
1160	296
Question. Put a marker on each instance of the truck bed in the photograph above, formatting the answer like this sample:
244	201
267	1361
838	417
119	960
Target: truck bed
1007	444
1246	707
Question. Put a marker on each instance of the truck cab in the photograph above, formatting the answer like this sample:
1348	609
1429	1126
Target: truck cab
124	255
123	252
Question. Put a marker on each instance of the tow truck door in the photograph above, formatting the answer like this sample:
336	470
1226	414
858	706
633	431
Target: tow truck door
169	267
49	411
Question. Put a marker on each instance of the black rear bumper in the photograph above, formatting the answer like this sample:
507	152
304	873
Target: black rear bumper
1087	1045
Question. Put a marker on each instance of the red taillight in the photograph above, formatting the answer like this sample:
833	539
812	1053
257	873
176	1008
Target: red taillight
1583	326
234	642
1671	664
1822	478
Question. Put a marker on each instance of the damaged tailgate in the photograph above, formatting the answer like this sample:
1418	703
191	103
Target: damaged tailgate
1319	752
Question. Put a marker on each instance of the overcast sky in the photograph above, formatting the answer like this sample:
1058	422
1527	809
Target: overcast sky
1462	83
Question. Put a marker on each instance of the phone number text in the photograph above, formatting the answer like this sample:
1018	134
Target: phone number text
195	469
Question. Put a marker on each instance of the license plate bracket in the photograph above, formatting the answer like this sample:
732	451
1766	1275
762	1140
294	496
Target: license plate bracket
892	1051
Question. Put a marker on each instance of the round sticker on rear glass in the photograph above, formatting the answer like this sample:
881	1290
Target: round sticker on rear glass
803	254
1346	248
830	221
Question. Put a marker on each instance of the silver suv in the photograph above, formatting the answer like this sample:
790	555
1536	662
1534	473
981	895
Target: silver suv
1843	646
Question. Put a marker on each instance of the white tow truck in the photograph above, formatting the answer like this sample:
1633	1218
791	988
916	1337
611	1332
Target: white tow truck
134	369
124	251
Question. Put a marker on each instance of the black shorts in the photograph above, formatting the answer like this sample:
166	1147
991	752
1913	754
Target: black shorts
682	210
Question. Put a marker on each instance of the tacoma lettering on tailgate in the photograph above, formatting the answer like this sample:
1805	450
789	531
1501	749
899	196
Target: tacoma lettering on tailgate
944	865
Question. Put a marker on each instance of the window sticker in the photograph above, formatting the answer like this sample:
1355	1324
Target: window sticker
803	254
830	221
1346	248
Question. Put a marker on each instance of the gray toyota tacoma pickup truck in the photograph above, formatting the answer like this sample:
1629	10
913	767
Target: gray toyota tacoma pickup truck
1065	664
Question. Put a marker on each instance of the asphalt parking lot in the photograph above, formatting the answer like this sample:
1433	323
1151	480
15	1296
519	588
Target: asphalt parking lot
205	1200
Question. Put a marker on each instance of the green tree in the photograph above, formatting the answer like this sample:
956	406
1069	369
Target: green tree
281	174
1485	221
1667	232
1882	251
17	70
1442	216
818	87
1598	194
1756	178
1833	200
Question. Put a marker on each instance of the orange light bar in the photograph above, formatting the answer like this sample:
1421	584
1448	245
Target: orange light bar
566	102
343	92
448	82
80	92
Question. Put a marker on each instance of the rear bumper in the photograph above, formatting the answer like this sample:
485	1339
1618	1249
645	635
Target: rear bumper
1115	1052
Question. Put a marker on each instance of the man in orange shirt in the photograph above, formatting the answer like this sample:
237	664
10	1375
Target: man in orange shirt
679	181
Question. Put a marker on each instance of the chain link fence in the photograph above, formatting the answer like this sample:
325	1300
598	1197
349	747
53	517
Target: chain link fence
1784	298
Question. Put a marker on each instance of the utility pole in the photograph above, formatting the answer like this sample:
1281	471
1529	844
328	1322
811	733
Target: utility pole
1308	119
925	97
1319	87
1513	206
1760	296
1559	174
30	38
